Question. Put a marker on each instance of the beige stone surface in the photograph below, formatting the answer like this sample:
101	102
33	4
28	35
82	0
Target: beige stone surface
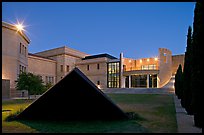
42	66
176	60
12	57
5	88
64	57
95	74
54	62
165	64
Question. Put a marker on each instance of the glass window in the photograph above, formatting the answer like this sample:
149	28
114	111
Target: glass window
61	68
113	75
20	48
25	51
138	80
20	68
87	67
124	67
98	66
67	68
148	67
144	67
46	79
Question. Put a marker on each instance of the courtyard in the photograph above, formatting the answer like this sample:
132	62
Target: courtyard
155	114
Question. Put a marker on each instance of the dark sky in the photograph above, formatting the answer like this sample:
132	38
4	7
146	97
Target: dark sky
137	29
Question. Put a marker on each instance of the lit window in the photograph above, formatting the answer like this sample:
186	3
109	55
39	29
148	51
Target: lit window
148	67
148	60
140	61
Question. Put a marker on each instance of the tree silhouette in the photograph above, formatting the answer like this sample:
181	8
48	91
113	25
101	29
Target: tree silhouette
187	93
197	64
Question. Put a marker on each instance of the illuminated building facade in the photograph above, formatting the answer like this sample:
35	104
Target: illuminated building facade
104	70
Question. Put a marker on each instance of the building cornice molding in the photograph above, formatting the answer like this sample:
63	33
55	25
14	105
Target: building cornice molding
12	27
40	58
64	50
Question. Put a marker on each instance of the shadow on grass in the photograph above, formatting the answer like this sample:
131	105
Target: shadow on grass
123	126
6	110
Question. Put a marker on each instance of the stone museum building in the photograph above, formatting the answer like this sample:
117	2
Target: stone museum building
104	70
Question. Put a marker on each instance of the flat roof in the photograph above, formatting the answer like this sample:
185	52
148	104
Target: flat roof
99	56
31	54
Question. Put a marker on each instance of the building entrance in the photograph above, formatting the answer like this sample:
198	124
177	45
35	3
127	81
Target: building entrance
152	81
141	81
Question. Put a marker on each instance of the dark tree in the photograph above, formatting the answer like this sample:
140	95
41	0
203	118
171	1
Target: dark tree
187	93
179	82
30	82
197	65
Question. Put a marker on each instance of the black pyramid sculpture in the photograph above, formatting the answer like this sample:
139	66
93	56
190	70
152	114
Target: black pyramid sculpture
73	98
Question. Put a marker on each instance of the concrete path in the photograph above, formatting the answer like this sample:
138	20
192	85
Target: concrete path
138	91
184	122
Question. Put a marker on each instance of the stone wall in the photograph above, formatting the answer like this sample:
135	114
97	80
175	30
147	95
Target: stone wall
95	74
5	89
43	67
14	53
165	65
176	60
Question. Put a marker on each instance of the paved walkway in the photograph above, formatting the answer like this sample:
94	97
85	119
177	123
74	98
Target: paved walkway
184	122
138	91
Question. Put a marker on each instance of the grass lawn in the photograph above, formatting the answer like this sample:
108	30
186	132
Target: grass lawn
157	111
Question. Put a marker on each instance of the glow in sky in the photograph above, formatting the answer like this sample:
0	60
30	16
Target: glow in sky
137	29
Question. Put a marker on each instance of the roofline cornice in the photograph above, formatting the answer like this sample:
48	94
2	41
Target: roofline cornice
12	27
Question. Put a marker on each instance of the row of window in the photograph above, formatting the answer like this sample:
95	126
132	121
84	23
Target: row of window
113	75
141	81
49	79
148	67
22	49
98	67
67	68
22	68
62	69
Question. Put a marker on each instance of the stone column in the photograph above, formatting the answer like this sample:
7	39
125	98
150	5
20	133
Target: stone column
147	80
129	81
121	70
